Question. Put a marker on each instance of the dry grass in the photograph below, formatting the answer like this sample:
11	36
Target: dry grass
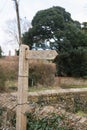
10	67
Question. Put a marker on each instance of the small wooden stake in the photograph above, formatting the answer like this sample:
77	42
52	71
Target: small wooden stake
22	89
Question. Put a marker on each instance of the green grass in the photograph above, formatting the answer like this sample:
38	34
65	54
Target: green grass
42	88
64	86
36	89
12	86
81	113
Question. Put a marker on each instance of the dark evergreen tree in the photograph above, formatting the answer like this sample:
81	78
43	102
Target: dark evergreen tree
55	26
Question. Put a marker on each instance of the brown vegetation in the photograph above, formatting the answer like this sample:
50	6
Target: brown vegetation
10	67
40	73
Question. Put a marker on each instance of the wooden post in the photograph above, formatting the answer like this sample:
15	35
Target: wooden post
22	89
24	56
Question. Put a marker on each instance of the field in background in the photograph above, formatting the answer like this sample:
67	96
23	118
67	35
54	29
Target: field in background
70	82
10	70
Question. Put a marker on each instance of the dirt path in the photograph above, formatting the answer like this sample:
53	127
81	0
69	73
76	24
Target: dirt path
9	101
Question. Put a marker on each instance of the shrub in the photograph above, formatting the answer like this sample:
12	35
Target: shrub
10	67
2	79
73	63
42	73
50	122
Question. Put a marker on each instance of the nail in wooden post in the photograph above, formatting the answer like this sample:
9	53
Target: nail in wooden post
22	89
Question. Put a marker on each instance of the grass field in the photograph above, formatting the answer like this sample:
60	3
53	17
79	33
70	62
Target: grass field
12	86
64	86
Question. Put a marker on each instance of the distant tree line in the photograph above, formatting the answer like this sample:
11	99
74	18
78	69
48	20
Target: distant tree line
1	52
68	37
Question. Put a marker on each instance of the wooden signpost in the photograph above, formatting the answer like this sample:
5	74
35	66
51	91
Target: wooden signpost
22	89
22	95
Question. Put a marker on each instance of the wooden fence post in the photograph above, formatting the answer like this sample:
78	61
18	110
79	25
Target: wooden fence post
22	94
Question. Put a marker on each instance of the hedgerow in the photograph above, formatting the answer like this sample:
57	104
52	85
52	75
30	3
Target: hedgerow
42	73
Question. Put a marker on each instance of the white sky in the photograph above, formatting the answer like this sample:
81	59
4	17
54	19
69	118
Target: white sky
28	9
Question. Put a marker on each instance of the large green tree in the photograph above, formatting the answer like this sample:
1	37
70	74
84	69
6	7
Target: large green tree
47	25
55	26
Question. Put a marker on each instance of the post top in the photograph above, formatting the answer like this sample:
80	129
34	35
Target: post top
23	46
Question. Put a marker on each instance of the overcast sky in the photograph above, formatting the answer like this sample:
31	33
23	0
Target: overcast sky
28	9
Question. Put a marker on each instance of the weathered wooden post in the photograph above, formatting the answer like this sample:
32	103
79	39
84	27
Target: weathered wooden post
22	95
22	89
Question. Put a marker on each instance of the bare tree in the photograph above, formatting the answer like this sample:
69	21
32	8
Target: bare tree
12	31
